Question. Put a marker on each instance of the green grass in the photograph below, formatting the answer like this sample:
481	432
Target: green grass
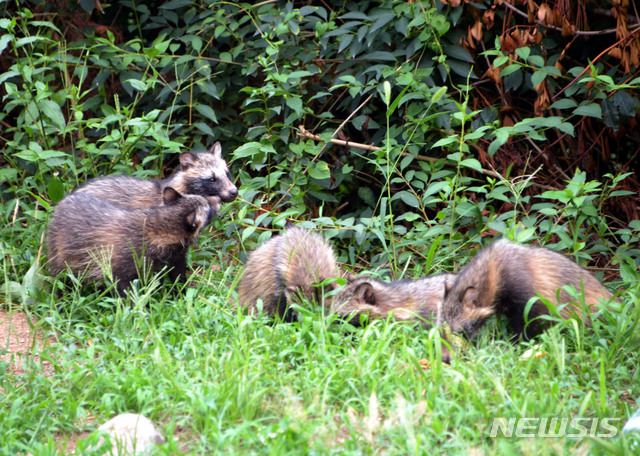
222	382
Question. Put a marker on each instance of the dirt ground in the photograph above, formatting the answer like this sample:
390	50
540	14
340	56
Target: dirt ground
20	342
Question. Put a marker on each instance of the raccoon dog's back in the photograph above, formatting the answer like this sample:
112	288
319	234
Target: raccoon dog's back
85	231
285	266
504	276
200	173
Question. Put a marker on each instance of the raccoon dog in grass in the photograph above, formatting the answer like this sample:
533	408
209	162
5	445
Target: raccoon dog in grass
418	300
87	232
200	173
503	277
285	268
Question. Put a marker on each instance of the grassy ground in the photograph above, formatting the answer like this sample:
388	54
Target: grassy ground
222	382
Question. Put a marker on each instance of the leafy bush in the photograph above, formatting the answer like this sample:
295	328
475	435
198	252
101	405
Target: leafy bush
394	125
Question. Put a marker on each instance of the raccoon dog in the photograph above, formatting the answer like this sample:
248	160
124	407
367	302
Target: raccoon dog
85	231
419	299
200	173
503	277
285	268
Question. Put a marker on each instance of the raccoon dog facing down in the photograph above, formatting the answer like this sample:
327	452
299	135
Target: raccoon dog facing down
86	232
285	267
503	277
419	299
200	173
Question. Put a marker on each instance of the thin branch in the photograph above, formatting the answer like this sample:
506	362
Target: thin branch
305	134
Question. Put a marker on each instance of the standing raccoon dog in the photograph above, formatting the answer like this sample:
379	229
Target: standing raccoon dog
86	232
285	268
200	173
503	277
419	299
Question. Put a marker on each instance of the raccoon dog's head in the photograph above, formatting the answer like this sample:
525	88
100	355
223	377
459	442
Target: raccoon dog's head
195	210
207	174
365	297
462	309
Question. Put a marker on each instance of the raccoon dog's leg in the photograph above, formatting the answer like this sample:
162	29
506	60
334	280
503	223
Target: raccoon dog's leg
178	273
122	287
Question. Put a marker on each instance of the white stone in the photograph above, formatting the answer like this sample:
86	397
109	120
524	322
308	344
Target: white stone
131	435
633	424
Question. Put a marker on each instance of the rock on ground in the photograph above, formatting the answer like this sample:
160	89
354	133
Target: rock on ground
131	434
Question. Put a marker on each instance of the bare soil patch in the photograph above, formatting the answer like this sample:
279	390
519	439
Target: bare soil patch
22	341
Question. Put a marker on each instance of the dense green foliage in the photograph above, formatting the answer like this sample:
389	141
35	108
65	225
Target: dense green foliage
467	124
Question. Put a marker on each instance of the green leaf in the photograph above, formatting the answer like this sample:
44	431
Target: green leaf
8	74
366	195
629	271
55	189
295	103
457	53
355	15
564	103
175	4
382	19
28	40
408	198
207	111
567	128
471	163
4	41
589	110
299	74
51	109
445	141
380	55
345	41
502	136
510	69
499	61
320	170
538	77
523	52
7	174
137	84
536	60
247	150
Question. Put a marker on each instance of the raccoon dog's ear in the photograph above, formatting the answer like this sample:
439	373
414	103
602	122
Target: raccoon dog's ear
216	150
365	292
447	288
192	220
187	160
170	195
470	297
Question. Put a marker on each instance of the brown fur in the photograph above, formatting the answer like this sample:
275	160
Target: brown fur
285	268
418	299
503	277
200	173
85	230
